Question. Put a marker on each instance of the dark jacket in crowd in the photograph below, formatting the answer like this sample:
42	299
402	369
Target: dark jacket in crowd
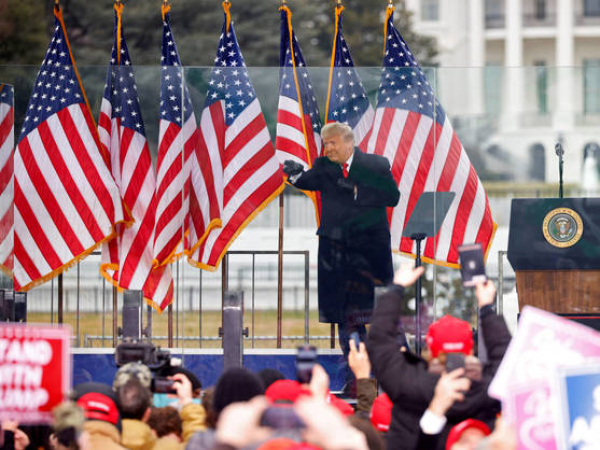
404	376
354	235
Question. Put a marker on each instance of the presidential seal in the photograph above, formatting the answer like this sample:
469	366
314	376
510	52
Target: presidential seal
562	227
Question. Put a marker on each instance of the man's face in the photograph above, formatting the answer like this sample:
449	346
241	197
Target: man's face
337	149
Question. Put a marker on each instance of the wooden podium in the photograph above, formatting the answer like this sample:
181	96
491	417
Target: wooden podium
554	248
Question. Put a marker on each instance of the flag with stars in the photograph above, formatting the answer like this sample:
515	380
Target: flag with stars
7	145
347	101
66	201
127	261
298	118
232	123
176	143
413	131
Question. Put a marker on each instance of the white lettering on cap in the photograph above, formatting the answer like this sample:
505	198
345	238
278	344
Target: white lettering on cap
98	405
453	346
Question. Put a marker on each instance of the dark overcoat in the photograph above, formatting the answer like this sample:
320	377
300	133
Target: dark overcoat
354	234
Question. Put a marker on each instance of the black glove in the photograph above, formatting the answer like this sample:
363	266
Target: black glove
346	185
291	168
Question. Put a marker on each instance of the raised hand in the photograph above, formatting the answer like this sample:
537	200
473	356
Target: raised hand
407	274
291	168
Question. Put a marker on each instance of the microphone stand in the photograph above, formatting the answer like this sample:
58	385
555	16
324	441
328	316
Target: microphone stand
560	152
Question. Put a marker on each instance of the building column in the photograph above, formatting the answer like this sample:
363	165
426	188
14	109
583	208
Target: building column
476	56
564	115
514	89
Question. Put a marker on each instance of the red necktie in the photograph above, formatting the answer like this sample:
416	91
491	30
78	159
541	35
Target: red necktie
345	170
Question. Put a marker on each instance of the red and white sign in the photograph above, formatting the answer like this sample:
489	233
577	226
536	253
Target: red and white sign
35	371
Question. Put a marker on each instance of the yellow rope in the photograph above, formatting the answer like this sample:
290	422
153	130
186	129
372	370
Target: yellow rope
338	13
119	10
226	6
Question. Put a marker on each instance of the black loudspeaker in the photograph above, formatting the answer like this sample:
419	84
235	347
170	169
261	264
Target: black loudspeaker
20	306
7	306
13	306
590	320
132	314
232	331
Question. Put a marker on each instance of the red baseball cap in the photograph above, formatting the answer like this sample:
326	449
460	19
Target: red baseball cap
381	412
457	430
344	407
285	391
98	406
449	335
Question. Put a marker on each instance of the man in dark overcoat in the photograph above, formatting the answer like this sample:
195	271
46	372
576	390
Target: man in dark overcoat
354	235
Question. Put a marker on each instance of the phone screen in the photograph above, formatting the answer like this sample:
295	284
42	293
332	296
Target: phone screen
472	266
454	361
306	359
356	338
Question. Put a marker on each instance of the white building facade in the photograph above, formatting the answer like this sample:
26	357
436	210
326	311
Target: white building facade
528	72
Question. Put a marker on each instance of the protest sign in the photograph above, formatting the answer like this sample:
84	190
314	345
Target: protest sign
543	341
578	392
35	371
526	378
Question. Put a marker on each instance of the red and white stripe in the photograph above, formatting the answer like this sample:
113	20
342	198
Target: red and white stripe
427	156
251	175
206	187
7	145
176	145
290	142
128	260
66	201
362	130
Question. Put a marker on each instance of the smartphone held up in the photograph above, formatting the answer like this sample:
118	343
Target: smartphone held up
472	265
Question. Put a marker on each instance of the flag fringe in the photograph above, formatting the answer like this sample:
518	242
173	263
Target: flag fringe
72	262
173	256
215	223
6	270
262	206
112	282
435	262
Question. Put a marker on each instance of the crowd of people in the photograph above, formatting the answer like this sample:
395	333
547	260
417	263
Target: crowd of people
422	404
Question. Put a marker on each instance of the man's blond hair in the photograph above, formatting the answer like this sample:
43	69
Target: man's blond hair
337	129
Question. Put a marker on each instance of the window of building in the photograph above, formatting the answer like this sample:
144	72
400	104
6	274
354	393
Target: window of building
430	10
591	7
494	9
591	86
494	13
541	84
539	9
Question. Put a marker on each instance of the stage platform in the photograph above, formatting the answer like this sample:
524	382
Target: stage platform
98	364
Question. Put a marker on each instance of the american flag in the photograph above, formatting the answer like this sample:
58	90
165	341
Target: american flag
232	122
298	118
7	145
176	142
347	101
127	261
66	201
413	131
